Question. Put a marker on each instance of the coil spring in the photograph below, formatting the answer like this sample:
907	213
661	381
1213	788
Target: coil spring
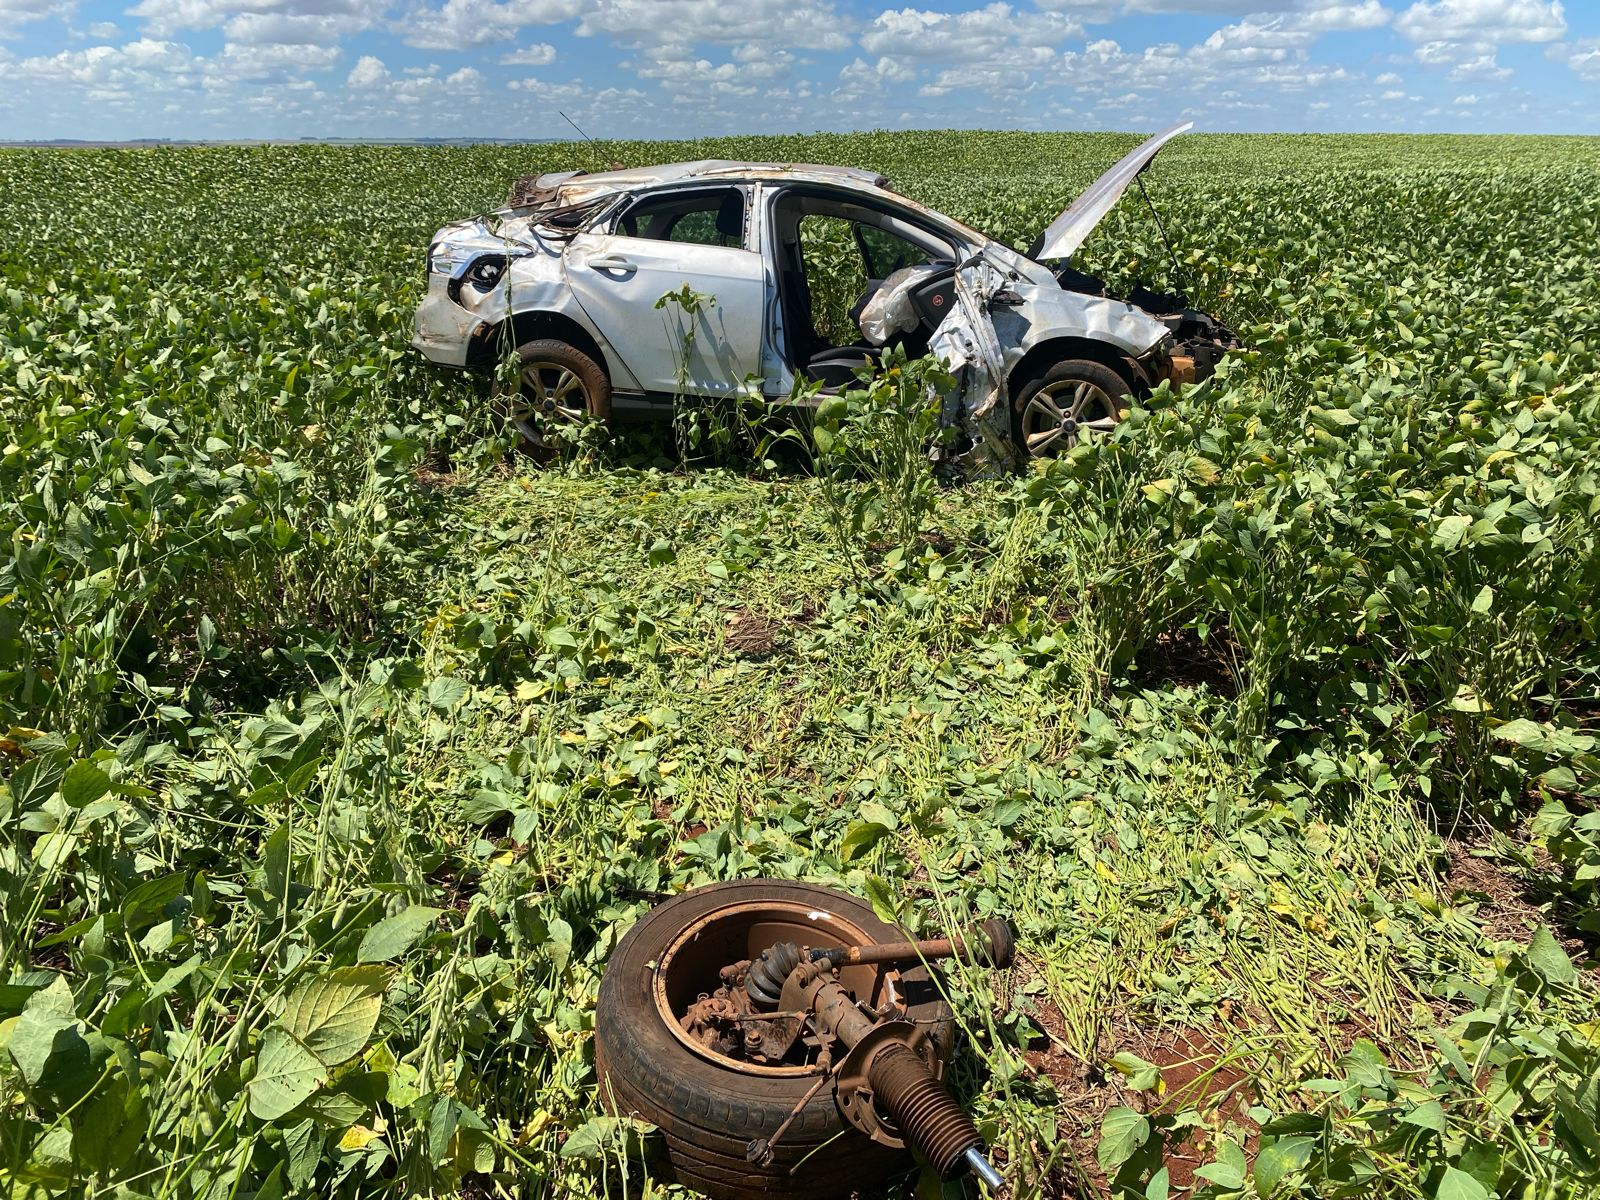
927	1116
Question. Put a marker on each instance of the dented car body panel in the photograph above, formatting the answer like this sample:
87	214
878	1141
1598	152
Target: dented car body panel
596	254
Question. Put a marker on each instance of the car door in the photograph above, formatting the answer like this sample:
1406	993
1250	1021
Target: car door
630	280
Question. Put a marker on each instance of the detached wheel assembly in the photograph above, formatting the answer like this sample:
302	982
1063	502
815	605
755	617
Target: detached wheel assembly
785	1041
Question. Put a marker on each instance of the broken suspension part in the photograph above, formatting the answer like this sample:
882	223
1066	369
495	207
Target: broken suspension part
888	1085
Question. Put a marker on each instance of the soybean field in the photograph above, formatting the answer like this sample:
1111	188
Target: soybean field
341	743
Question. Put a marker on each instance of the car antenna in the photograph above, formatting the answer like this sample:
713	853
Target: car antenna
593	144
1177	274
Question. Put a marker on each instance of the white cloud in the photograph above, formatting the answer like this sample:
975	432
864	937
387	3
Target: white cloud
369	72
775	65
1497	22
993	34
1255	40
794	24
270	62
279	28
262	22
685	76
19	12
1280	36
861	74
144	64
465	24
1464	35
555	93
1583	56
1336	18
540	54
1466	101
1477	62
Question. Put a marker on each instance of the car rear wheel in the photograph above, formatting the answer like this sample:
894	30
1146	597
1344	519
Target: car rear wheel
1068	402
558	389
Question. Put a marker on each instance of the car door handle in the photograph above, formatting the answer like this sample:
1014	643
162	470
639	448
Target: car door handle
612	262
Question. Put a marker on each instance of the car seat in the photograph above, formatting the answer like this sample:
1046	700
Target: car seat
836	366
730	219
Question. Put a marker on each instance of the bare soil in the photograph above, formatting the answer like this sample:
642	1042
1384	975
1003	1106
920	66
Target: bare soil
1196	1075
752	634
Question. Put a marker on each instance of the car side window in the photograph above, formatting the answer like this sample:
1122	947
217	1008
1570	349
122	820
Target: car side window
707	217
885	252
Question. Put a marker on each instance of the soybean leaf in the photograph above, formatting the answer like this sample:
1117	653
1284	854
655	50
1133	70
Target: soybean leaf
287	1074
1456	1184
334	1014
84	783
146	904
1122	1132
1141	1075
393	936
1278	1159
1547	957
1429	1115
599	1135
861	837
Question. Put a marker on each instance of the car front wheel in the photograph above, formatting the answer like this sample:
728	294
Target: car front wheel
558	389
1070	401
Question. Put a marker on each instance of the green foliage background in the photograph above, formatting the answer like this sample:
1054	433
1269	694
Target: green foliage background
338	757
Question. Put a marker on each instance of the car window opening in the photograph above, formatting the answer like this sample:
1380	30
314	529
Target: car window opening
709	217
834	256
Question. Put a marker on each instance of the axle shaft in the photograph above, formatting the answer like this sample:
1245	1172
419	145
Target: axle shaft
990	944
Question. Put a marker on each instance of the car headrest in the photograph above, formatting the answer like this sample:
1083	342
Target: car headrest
730	216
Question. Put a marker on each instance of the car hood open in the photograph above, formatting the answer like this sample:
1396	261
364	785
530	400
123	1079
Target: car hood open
1068	231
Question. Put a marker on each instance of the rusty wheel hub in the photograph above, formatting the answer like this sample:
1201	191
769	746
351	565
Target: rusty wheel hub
724	1022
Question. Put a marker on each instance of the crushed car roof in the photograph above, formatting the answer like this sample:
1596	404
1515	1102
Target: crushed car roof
575	184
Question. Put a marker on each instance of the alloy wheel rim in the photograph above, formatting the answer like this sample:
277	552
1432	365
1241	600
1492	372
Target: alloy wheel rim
1062	413
548	394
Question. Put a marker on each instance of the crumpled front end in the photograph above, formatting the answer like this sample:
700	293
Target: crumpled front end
1003	314
1195	341
1198	343
967	342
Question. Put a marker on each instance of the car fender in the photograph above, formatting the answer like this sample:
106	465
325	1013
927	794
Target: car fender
969	344
1047	314
536	282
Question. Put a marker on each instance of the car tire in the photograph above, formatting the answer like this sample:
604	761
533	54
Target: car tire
556	384
1069	400
708	1112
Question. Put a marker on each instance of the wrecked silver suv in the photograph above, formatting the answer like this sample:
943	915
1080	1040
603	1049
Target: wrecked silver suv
572	279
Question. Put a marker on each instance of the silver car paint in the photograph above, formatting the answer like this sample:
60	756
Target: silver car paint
535	281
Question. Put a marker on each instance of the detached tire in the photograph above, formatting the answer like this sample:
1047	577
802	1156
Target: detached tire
1065	403
710	1108
557	386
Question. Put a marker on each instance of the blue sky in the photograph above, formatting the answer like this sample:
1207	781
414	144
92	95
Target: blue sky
111	69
